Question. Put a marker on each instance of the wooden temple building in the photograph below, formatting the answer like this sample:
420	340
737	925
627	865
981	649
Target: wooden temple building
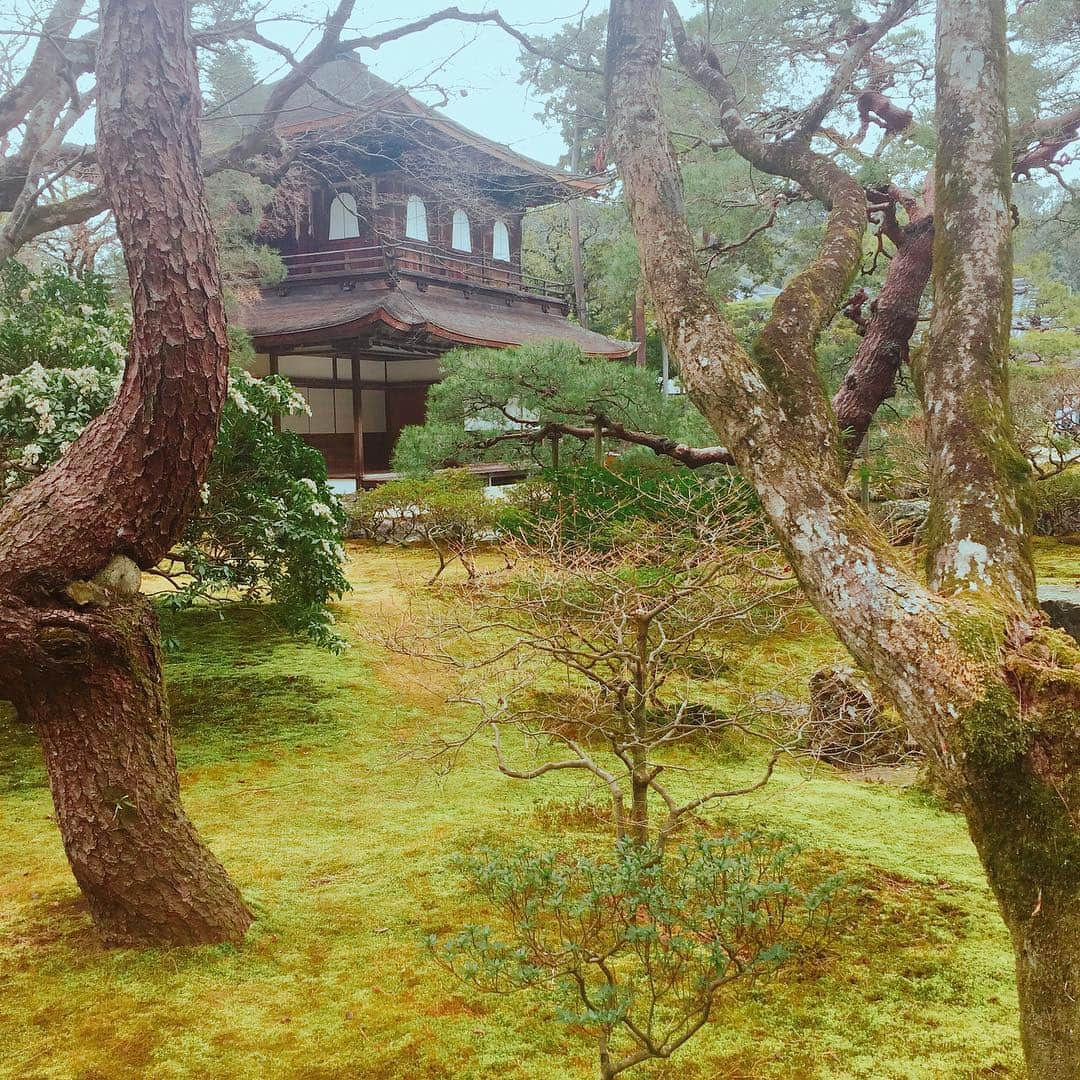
401	234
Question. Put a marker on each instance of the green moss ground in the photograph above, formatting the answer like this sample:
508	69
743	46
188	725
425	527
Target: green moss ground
296	768
1058	563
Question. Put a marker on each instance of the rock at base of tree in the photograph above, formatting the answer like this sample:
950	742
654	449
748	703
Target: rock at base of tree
847	727
1061	603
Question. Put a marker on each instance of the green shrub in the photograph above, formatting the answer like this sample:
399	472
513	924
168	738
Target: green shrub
1057	504
53	320
634	948
267	525
447	510
602	508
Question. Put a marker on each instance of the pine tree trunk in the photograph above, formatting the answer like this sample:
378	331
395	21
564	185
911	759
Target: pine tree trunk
103	720
884	349
581	307
640	331
79	648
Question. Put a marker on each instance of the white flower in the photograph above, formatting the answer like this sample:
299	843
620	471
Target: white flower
309	484
335	551
321	510
240	401
35	377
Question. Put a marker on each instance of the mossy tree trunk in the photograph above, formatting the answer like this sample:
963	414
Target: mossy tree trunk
79	649
1027	839
990	693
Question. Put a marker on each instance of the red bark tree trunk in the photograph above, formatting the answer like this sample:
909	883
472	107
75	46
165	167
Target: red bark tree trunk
104	727
640	330
871	379
577	254
79	648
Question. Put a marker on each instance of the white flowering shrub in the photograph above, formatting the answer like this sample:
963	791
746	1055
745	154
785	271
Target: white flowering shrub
57	321
268	527
42	411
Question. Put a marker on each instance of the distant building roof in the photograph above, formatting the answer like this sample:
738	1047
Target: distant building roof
344	92
323	314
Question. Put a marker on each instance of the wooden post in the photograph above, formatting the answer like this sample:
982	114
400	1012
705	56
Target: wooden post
639	324
555	451
598	443
274	371
358	422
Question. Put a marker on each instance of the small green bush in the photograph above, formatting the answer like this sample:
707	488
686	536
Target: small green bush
447	510
600	508
634	949
1057	504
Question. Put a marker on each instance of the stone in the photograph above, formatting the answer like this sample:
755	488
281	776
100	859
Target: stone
1062	606
119	576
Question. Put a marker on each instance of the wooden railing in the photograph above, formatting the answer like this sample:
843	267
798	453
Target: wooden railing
411	258
353	260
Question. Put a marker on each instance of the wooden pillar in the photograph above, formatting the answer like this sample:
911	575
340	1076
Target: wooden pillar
274	371
598	443
555	451
639	324
358	422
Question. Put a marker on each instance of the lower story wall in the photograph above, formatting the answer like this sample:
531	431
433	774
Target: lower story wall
325	382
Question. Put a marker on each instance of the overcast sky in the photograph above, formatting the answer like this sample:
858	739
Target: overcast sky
476	65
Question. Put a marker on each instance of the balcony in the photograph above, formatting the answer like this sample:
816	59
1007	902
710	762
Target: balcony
422	262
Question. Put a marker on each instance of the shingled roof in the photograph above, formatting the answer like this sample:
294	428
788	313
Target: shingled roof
325	314
345	91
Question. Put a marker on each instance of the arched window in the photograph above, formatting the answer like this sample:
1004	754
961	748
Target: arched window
500	242
461	239
416	219
344	222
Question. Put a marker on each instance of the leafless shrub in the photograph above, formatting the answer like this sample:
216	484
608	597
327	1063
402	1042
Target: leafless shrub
449	513
634	635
